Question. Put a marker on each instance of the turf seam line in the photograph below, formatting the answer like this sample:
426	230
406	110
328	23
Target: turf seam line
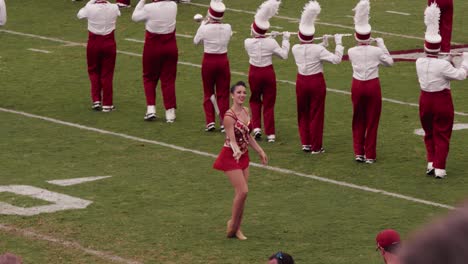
320	23
68	244
69	43
206	154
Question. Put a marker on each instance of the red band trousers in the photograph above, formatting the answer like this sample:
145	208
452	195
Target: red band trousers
160	55
216	76
310	95
436	114
367	106
101	55
262	81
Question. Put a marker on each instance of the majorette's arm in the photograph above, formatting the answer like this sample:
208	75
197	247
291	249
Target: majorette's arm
3	14
139	14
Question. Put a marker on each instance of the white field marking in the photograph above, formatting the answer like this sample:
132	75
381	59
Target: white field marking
69	182
277	27
206	154
59	201
65	243
135	40
39	50
184	36
324	23
199	66
420	132
398	13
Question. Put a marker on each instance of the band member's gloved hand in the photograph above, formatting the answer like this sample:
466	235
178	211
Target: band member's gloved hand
324	42
274	34
286	35
380	42
464	64
338	39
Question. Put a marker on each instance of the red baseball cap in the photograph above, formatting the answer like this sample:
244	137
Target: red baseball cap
387	238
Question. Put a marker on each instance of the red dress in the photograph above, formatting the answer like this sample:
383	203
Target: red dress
225	160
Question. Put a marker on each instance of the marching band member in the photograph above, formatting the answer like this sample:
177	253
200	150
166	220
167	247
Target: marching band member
123	3
101	51
445	23
160	54
365	91
262	78
435	102
3	14
310	83
215	36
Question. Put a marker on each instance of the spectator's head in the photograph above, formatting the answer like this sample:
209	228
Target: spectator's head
9	258
388	242
280	258
442	241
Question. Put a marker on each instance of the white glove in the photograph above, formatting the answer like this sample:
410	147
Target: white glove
325	40
274	34
286	35
464	64
380	42
338	39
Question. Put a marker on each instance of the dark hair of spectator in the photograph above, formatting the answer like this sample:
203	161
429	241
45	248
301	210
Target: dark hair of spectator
282	258
239	83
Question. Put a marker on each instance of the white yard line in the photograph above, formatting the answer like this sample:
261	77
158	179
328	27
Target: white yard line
64	243
135	40
75	181
40	51
206	154
398	13
69	43
322	23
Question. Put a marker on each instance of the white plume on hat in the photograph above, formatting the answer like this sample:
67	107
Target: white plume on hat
431	19
266	11
361	17
218	7
309	15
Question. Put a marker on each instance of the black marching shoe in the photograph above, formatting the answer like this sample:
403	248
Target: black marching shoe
97	106
315	152
210	127
150	117
360	158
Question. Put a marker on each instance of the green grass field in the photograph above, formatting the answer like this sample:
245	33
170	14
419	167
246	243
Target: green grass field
164	203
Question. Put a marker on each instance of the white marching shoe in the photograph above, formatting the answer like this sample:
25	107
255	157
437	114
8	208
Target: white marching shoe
170	115
430	169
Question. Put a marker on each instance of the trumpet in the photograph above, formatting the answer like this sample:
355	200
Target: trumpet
453	53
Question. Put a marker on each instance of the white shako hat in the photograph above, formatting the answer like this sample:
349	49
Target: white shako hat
216	10
307	24
267	10
432	37
362	27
